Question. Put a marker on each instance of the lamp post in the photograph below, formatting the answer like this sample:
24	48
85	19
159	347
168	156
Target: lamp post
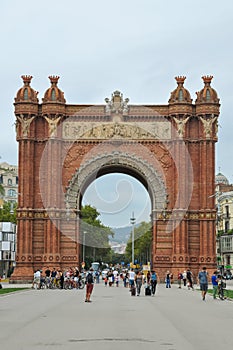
84	239
132	221
11	208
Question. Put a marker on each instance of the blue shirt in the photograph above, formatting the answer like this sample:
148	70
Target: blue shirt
202	276
153	277
214	280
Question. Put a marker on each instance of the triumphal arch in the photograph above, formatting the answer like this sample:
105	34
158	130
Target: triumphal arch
64	147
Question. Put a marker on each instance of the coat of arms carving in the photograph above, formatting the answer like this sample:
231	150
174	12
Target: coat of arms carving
117	104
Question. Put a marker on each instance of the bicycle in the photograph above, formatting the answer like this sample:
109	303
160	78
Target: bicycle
81	283
222	291
68	283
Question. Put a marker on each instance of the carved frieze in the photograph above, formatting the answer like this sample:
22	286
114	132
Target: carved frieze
160	130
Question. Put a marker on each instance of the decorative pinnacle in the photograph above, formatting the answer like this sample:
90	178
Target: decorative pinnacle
26	79
207	79
180	80
54	79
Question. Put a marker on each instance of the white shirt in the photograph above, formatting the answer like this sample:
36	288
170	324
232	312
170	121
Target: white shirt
37	274
131	275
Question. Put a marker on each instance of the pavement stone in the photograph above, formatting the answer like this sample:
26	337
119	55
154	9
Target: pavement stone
60	319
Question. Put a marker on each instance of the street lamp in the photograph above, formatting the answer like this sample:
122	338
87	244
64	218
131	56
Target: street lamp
132	221
11	208
84	239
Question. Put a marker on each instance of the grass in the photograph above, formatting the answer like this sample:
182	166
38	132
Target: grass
229	293
11	290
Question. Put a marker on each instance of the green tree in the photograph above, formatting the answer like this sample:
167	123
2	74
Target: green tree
2	191
8	212
95	236
142	243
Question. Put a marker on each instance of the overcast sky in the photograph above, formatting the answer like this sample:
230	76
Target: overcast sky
135	46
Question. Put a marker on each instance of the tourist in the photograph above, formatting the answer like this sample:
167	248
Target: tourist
179	277
36	279
214	280
153	282
184	278
89	285
131	278
168	279
139	281
189	279
203	281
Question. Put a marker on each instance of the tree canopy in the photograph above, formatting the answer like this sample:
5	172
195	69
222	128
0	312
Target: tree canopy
8	212
95	236
142	243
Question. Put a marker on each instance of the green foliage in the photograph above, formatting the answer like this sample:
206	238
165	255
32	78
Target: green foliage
142	244
5	212
118	258
2	191
95	236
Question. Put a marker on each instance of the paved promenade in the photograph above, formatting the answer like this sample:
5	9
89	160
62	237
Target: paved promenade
174	319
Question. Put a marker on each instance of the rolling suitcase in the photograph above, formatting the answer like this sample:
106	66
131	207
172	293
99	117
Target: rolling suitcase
148	290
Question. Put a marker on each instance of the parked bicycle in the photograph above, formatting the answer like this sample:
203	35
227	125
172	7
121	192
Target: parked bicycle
69	283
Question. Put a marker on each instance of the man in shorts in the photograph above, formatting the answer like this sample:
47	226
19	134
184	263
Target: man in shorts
203	281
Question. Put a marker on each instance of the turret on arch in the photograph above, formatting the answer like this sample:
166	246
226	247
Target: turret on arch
169	148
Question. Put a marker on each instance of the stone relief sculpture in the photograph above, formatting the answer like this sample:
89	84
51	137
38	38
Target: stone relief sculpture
52	125
76	130
116	104
207	123
25	124
181	125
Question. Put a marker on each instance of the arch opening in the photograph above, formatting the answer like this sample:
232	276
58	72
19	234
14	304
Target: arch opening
115	195
128	164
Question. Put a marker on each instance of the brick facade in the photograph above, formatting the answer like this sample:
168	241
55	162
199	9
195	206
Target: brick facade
63	148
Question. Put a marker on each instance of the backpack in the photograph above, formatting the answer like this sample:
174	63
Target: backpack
89	278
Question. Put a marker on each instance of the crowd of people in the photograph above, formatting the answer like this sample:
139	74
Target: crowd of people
133	279
56	278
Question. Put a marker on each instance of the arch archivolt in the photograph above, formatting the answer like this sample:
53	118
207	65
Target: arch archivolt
129	163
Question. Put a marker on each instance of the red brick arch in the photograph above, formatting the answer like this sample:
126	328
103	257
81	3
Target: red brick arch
169	148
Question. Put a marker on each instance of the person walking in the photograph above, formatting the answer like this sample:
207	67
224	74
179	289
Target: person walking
190	279
36	279
203	281
148	276
179	277
184	278
131	278
168	280
153	282
139	281
89	285
214	280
